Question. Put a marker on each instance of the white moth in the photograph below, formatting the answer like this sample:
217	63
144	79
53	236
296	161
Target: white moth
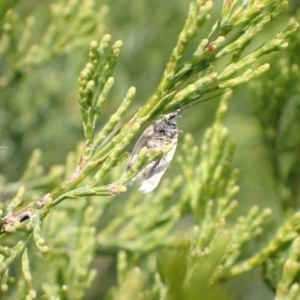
158	135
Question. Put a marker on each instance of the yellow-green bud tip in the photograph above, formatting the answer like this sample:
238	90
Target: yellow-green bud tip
94	45
132	90
107	38
143	151
64	288
90	84
118	44
110	81
123	189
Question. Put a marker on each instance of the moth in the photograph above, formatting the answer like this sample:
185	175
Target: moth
158	135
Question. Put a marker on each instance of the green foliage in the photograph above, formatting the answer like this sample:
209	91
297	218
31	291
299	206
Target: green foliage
185	239
278	113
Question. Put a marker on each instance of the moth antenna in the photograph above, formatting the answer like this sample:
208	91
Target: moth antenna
203	100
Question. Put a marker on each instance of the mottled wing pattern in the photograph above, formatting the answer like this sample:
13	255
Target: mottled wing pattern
158	135
154	171
142	142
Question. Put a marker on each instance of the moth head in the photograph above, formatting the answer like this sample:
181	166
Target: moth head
173	116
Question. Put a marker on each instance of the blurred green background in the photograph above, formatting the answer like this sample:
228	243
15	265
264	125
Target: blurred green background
41	110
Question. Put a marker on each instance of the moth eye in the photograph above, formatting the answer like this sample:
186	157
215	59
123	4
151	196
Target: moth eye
172	116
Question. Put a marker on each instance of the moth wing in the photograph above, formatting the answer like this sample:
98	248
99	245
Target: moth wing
142	142
153	172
